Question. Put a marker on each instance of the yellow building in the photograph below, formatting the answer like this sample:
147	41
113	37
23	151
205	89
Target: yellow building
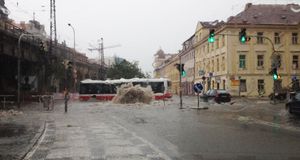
165	67
244	68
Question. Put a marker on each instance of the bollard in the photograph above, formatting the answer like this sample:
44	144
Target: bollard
66	95
66	104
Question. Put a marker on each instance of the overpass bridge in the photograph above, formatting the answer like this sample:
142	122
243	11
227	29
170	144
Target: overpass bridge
41	71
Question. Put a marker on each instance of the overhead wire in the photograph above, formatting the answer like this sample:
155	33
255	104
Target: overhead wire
15	7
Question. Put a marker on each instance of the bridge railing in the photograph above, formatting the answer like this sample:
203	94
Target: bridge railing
11	28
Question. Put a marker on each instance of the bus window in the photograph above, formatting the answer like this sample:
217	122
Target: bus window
157	87
87	88
114	88
142	84
103	88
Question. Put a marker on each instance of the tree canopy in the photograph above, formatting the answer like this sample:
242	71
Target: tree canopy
125	69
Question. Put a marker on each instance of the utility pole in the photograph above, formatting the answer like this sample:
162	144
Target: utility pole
101	56
100	50
53	38
180	79
52	26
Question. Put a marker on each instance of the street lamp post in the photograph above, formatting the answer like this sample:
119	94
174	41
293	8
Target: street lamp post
19	67
73	58
19	70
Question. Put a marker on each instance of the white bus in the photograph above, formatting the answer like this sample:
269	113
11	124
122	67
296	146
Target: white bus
106	90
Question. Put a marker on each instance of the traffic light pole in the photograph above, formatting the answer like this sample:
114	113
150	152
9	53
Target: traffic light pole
180	87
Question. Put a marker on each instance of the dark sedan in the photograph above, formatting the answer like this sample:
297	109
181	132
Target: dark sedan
218	95
293	106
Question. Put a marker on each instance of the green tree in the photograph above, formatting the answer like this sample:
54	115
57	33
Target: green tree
125	69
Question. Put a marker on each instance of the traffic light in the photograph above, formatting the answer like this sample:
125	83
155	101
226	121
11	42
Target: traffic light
243	36
275	74
211	37
42	47
180	67
68	64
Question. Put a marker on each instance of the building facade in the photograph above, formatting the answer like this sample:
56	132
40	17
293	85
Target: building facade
244	68
210	58
187	57
165	67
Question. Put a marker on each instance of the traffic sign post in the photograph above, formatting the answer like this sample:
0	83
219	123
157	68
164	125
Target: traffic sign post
198	89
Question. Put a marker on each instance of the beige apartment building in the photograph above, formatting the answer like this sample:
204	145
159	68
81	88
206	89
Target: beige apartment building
244	68
187	57
165	67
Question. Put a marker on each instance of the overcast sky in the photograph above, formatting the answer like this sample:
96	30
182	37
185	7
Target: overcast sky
141	27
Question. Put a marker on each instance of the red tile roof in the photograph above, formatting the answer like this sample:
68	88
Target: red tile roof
268	14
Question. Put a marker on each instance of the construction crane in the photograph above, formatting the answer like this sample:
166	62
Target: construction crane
100	50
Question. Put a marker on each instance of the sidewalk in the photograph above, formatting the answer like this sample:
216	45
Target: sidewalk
252	110
19	130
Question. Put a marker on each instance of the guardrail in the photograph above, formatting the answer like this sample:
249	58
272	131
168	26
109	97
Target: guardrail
5	100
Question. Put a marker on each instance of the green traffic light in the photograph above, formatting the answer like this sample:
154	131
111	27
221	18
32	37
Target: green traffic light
211	39
183	74
275	76
243	39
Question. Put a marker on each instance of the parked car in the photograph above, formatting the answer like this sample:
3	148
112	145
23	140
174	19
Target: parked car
293	105
218	95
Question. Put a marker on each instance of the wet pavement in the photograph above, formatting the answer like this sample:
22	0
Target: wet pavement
18	133
106	131
260	109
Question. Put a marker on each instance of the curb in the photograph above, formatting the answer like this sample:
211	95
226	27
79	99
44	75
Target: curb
34	141
269	124
275	125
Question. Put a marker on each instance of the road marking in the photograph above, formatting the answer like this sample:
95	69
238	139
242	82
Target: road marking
161	153
37	144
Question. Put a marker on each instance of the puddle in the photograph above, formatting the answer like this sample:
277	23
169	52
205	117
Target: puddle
7	157
139	120
294	120
11	130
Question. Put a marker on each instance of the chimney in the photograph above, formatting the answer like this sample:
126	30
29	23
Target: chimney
248	5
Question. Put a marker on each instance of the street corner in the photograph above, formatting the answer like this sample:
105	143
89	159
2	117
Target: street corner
17	139
19	130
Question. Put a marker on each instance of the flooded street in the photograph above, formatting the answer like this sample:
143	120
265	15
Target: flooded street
160	130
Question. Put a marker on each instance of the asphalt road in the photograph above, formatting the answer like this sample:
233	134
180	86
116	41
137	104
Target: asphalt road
96	130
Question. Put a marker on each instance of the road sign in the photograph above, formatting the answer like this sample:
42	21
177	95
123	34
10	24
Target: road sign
198	87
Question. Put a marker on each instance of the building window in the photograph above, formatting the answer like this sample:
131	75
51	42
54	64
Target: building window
218	65
260	86
242	63
295	62
243	86
223	63
260	61
223	40
276	38
260	39
294	38
278	61
213	65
